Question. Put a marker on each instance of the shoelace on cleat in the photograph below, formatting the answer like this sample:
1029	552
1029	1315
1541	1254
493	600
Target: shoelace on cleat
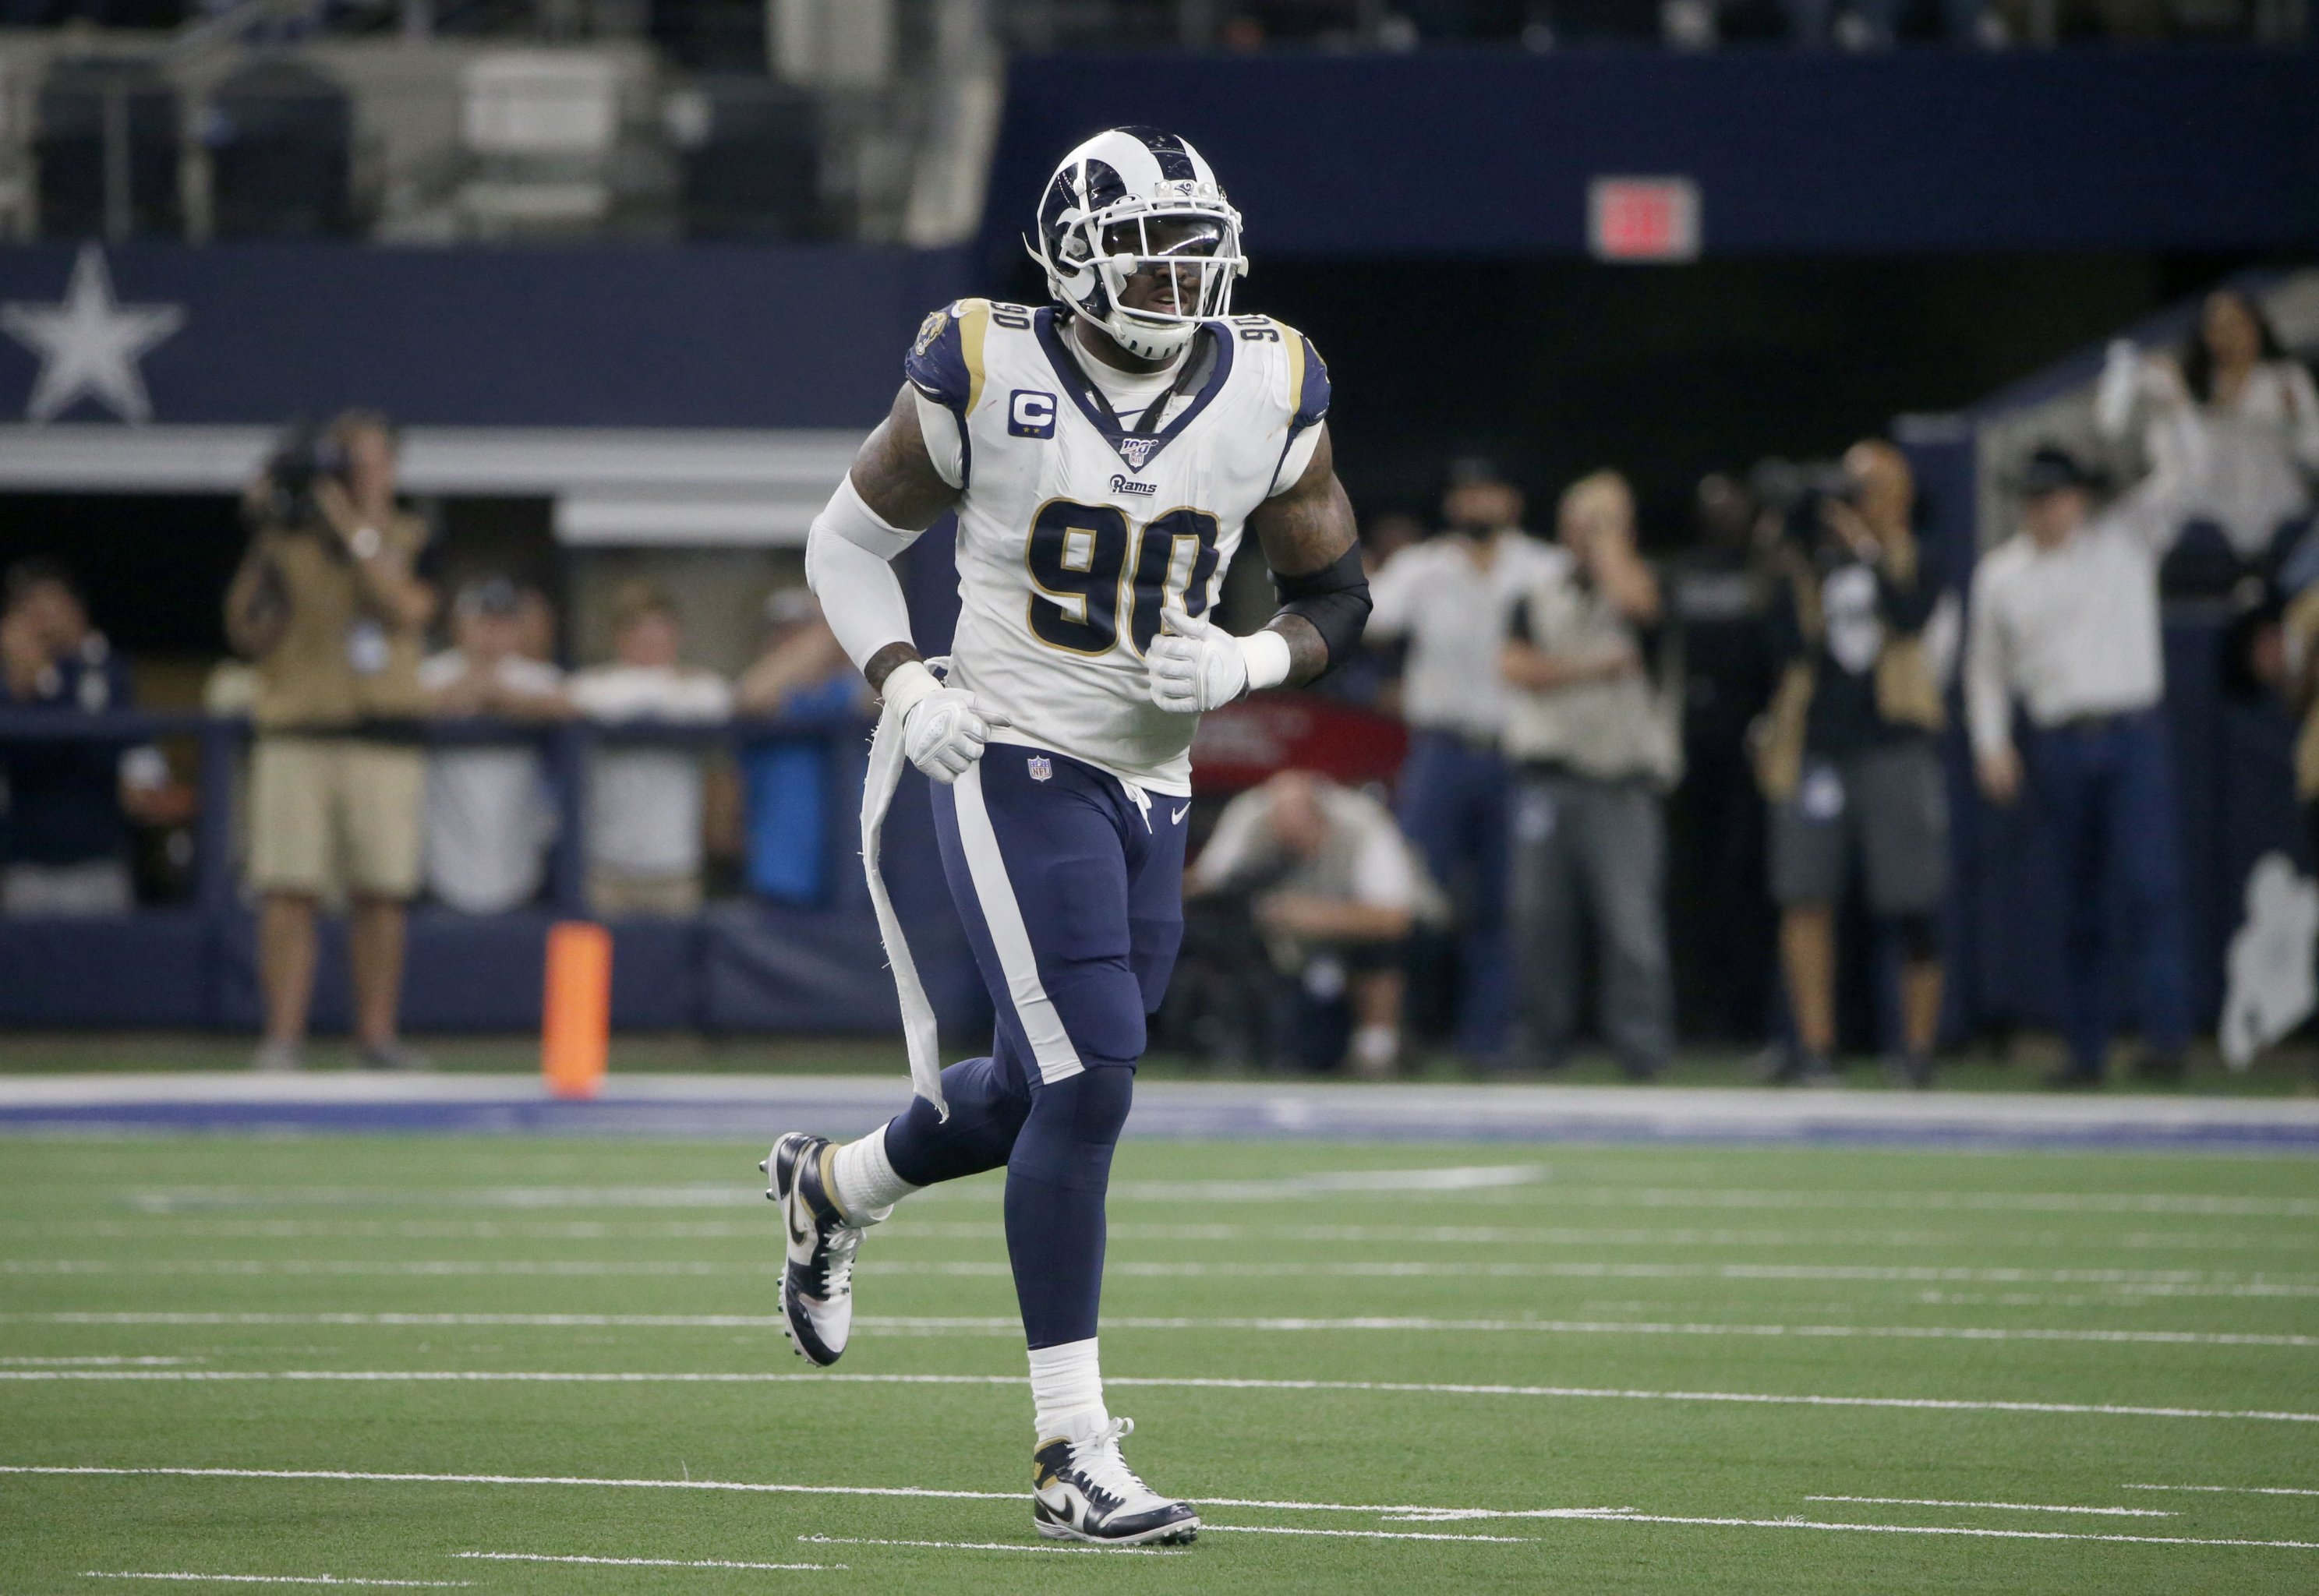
837	1261
1098	1460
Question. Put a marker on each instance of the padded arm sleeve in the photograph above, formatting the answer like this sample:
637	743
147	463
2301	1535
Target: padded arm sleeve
1335	600
847	557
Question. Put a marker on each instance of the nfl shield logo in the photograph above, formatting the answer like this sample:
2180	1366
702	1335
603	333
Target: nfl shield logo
1041	767
1136	450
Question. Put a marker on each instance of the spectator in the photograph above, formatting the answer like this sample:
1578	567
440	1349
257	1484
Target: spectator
802	672
2297	653
327	605
1718	594
64	830
1334	893
2237	415
1594	741
645	800
488	818
1450	598
535	622
1385	533
1847	759
2065	619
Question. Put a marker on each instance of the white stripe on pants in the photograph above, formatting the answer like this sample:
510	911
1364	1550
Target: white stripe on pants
1051	1044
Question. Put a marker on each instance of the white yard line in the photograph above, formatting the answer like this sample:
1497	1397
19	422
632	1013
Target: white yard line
1496	1179
2010	1507
986	1546
2211	1207
1163	1383
1512	1540
1592	1515
2165	1282
413	1267
937	1325
2235	1490
910	1226
2153	1540
279	1579
1313	1184
648	1562
438	1479
1007	1325
784	1490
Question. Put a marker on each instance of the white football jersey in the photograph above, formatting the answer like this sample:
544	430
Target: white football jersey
1073	532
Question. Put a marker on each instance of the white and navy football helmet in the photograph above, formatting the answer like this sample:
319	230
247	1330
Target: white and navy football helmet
1095	231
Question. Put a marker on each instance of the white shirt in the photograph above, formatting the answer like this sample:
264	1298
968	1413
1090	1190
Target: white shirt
1455	614
2244	466
2249	460
1365	858
644	801
2071	630
488	821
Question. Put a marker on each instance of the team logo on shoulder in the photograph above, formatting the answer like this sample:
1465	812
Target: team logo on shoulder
1041	768
1137	450
1030	414
930	329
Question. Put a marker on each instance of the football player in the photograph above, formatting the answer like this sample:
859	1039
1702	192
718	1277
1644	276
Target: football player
1104	454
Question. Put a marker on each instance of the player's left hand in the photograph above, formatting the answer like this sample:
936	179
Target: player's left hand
1194	666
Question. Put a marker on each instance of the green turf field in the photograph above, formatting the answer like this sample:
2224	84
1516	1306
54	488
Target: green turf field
1785	1364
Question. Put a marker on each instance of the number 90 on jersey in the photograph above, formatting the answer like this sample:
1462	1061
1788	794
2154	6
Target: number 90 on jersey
1096	576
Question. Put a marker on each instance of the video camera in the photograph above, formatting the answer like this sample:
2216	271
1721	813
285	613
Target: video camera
302	457
1799	494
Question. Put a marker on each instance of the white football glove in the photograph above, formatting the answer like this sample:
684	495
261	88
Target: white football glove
942	731
1194	665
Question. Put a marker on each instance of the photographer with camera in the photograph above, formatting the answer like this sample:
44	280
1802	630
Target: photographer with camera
1594	729
1845	753
327	605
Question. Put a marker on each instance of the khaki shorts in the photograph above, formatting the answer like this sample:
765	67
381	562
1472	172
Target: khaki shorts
330	817
614	893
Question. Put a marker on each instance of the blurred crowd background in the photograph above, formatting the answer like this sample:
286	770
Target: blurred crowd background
1540	687
1835	477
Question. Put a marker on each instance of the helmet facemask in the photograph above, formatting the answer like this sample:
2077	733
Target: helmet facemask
1148	271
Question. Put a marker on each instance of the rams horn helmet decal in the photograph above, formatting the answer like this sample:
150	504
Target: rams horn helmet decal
1094	233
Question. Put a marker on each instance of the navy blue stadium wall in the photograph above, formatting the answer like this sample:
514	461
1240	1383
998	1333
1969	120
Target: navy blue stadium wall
704	337
1475	152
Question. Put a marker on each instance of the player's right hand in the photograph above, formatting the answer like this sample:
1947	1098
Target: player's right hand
942	729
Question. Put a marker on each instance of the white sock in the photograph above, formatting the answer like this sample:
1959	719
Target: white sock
1067	1391
867	1186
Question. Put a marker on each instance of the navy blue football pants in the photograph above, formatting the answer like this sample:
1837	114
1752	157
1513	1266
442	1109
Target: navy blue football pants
1071	893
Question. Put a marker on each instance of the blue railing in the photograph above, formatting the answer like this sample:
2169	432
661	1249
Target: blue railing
565	746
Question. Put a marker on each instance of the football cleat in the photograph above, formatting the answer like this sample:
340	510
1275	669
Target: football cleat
1085	1490
817	1284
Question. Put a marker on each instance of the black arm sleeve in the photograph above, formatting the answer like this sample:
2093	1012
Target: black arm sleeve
1335	600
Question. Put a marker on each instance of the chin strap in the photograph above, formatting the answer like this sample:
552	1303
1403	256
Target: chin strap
878	788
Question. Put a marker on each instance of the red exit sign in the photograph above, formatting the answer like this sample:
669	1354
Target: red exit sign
1643	219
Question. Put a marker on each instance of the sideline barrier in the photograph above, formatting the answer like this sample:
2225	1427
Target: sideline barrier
741	965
